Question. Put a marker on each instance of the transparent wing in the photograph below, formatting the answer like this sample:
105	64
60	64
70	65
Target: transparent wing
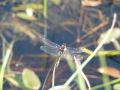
77	56
73	50
69	56
50	50
50	43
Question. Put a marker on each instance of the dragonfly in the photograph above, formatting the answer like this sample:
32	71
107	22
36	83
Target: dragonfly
61	51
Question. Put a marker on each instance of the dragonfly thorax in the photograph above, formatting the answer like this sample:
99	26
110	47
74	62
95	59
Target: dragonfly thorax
63	48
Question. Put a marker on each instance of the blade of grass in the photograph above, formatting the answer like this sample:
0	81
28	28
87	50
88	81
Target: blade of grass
45	8
45	16
106	79
105	84
79	79
3	48
53	76
81	76
92	55
71	65
5	60
4	44
105	53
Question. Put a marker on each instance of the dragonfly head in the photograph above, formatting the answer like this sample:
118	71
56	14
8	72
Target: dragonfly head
63	48
63	45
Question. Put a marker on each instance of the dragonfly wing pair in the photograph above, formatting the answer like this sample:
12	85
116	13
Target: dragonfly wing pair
73	50
50	50
50	44
54	45
70	56
54	49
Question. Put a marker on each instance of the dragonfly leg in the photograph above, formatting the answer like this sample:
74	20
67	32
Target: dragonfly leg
57	63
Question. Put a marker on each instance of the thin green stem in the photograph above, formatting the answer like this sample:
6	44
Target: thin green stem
105	84
103	64
81	78
45	16
53	76
45	8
